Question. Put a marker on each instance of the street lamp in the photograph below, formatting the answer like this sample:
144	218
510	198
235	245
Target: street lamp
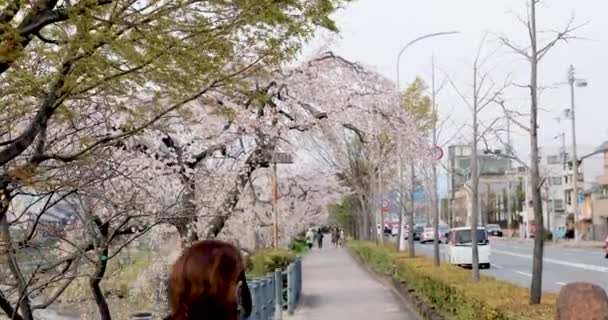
572	81
401	242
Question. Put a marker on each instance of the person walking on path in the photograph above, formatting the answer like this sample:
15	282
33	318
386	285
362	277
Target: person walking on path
320	238
207	282
334	236
340	237
310	238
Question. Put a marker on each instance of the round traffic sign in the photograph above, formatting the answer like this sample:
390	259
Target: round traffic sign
437	153
385	205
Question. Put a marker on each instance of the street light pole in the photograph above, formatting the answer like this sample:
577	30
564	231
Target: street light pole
401	242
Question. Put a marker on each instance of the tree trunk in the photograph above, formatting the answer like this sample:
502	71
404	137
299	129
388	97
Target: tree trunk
537	264
100	300
364	234
8	309
22	285
475	182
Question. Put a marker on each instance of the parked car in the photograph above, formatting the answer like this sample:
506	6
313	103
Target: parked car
428	235
459	250
418	230
494	230
444	231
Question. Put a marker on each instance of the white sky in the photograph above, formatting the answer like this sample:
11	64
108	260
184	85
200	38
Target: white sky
373	32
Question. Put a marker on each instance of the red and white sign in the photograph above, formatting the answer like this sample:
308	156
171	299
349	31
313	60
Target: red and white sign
386	205
437	153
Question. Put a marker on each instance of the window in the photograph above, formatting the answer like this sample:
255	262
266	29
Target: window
553	160
568	198
558	204
464	237
556	181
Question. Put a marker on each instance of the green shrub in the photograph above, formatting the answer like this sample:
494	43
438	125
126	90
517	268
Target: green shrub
268	260
298	246
450	289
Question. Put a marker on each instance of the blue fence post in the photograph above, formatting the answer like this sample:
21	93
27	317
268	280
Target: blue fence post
264	296
255	292
291	283
278	294
300	273
268	296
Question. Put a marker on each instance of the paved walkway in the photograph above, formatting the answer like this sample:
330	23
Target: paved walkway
335	287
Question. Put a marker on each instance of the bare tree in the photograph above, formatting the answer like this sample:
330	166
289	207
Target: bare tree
534	52
484	92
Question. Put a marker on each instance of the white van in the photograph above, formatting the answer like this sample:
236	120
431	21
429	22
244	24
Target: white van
459	250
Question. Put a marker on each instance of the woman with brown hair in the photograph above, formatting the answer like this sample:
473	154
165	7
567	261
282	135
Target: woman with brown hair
207	282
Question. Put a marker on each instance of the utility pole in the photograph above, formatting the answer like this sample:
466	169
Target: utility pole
509	205
549	201
275	210
449	202
284	158
571	81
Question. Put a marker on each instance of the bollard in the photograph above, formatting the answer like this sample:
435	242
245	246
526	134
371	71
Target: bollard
278	294
141	316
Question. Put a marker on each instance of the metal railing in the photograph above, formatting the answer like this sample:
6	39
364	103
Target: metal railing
270	294
276	292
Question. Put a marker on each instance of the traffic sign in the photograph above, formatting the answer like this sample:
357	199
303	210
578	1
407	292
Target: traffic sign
386	205
437	153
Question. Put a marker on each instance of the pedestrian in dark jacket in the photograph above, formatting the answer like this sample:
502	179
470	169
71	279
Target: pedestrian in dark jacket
320	238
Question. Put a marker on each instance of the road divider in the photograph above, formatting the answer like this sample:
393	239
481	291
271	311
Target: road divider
450	289
584	266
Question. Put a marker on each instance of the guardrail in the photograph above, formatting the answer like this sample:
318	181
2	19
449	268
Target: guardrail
270	294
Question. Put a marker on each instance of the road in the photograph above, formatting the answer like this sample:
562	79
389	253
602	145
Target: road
512	261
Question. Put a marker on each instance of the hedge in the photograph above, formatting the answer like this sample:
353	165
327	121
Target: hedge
450	289
268	260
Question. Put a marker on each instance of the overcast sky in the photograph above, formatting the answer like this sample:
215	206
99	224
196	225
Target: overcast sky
373	31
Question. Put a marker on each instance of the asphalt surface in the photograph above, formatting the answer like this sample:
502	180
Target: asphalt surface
512	261
335	287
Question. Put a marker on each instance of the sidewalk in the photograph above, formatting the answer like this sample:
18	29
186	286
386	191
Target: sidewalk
335	287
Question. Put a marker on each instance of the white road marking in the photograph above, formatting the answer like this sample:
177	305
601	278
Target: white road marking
497	266
555	261
560	283
523	273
